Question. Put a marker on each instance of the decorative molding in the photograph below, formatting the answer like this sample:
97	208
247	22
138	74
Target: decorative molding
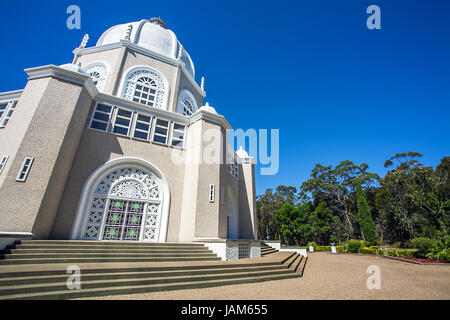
10	95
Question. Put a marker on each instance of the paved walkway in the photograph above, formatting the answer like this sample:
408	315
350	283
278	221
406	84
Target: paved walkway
331	276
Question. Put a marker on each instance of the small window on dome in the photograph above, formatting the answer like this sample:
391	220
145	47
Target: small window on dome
98	72
188	107
186	103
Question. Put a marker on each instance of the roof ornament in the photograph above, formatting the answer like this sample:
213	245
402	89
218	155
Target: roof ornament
128	33
81	46
180	51
84	41
202	84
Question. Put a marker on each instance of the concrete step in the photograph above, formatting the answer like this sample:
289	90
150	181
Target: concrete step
88	269
105	255
140	288
291	260
61	285
108	243
106	250
100	247
112	274
301	267
111	259
268	252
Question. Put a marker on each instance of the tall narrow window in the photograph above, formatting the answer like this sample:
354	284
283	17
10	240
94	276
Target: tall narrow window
161	131
101	117
6	111
178	135
211	193
122	122
142	127
3	163
25	170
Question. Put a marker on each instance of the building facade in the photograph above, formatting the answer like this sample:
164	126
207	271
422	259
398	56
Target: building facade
119	146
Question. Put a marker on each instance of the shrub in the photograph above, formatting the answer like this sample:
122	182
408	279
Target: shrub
446	241
397	244
354	245
424	247
392	253
323	248
380	252
374	247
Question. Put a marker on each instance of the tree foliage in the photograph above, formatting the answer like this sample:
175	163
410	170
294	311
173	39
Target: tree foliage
347	201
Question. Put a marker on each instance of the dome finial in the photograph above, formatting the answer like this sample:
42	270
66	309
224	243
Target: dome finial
159	22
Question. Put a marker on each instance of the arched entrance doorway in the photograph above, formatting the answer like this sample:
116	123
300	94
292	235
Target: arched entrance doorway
124	200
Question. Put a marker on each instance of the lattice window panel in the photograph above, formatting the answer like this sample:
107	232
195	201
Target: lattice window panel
244	250
125	183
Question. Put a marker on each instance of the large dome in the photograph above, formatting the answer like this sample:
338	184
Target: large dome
150	34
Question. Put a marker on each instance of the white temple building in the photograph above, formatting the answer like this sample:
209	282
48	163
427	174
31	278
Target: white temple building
119	146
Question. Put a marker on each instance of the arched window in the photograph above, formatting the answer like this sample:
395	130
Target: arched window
146	86
186	103
98	72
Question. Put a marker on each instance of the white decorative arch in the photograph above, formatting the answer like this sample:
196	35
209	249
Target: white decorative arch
134	74
233	219
98	72
187	105
131	179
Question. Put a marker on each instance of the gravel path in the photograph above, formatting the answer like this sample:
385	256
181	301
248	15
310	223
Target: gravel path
330	276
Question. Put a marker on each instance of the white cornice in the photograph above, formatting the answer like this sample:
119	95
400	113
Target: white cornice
61	73
10	95
146	52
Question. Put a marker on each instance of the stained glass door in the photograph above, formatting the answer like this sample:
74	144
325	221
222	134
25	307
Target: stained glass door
123	220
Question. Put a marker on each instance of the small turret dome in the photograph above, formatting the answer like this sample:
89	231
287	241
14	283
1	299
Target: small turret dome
152	35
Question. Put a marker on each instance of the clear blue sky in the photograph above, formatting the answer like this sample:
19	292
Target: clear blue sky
312	69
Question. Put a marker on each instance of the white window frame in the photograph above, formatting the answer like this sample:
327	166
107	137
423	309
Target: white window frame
25	169
154	133
172	139
116	116
7	113
3	163
136	121
108	123
212	193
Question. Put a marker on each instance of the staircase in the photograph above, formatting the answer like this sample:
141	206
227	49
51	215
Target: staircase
37	269
265	249
296	262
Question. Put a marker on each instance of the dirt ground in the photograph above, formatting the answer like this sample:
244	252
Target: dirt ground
330	276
